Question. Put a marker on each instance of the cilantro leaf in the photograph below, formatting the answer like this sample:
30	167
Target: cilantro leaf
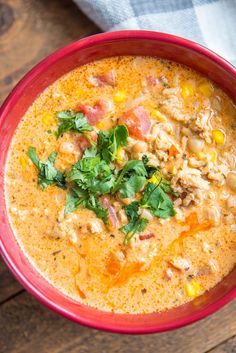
75	197
47	173
103	145
119	138
93	174
131	178
133	185
93	204
110	141
135	225
158	201
90	152
150	169
78	196
72	120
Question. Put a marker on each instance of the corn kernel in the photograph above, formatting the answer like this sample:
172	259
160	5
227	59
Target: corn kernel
79	92
187	90
201	156
161	117
119	96
47	119
173	170
120	156
192	289
206	89
155	179
150	104
100	125
218	136
23	162
213	155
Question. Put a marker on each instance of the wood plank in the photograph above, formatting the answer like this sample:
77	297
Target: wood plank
228	346
26	326
32	29
8	284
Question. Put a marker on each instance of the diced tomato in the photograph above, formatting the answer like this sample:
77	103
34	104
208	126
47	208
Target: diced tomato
137	121
107	78
146	236
97	112
84	143
112	216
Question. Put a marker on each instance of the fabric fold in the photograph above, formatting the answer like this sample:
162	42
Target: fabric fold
208	22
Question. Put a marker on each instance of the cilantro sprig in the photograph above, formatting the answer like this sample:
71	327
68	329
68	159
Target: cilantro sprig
95	175
47	173
130	179
135	225
75	121
110	141
78	196
157	201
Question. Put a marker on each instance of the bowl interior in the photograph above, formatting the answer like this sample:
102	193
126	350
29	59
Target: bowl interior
59	63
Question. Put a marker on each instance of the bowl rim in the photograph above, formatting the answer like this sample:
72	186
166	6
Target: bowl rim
41	66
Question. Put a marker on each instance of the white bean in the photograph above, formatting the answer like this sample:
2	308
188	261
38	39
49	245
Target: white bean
231	180
231	202
213	214
140	146
195	144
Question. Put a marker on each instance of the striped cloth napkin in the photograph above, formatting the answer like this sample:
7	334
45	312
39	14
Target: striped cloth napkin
208	22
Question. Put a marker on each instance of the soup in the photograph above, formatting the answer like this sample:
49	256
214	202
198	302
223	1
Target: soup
120	184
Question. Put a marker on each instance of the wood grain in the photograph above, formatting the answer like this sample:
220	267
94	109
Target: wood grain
26	326
228	346
8	285
32	29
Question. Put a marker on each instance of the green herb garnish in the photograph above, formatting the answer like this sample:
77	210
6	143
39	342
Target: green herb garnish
131	178
47	173
95	175
78	196
110	141
135	225
92	174
75	121
157	201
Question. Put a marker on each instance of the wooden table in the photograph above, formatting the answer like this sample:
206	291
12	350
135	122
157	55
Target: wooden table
30	30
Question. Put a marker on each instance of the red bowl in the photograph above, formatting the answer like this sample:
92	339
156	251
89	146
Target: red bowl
46	72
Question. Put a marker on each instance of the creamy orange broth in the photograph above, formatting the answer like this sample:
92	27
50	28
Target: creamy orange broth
91	264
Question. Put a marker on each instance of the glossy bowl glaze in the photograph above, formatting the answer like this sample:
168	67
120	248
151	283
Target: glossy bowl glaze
46	72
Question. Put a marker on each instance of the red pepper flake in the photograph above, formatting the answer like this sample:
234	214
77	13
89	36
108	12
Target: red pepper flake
146	236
